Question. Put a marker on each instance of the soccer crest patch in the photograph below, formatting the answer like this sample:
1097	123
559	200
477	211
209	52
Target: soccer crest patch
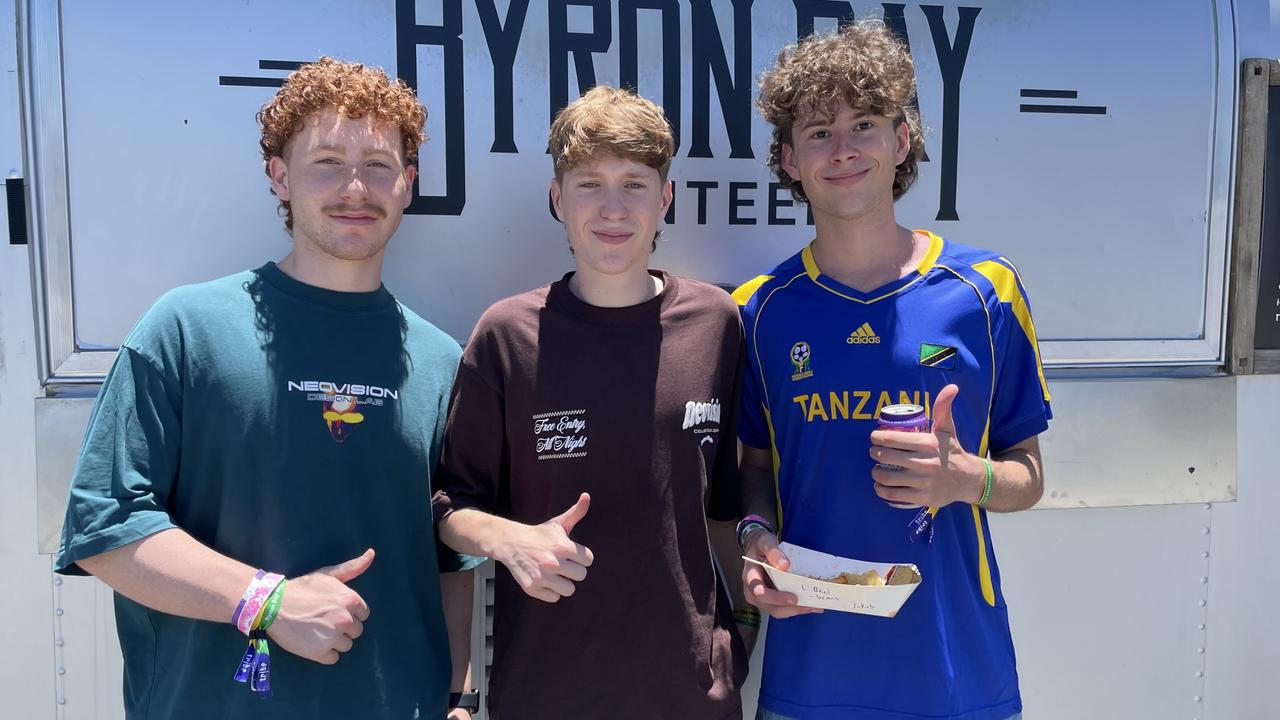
800	361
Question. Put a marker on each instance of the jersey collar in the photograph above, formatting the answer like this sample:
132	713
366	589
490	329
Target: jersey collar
926	264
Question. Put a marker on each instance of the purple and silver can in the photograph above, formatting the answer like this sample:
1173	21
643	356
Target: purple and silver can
902	418
909	418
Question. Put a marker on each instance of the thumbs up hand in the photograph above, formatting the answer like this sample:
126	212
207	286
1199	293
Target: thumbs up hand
320	617
935	469
542	558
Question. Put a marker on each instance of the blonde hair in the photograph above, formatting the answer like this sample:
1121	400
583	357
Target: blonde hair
611	121
351	89
863	65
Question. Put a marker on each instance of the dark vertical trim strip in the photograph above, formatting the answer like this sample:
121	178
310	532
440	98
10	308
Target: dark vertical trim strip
16	199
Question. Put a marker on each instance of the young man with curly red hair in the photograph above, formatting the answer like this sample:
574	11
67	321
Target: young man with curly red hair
261	436
606	402
868	315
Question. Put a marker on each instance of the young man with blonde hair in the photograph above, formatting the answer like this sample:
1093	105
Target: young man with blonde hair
261	436
607	401
867	315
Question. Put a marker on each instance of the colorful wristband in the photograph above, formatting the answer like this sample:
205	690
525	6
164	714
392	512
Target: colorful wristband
255	613
235	616
749	523
272	608
255	596
986	487
260	679
921	526
745	530
748	616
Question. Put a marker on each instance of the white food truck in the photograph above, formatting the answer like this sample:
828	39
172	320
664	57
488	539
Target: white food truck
1117	151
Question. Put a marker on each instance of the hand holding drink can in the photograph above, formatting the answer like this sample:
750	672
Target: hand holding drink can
908	418
902	418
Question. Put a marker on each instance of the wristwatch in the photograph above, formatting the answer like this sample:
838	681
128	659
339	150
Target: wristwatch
469	701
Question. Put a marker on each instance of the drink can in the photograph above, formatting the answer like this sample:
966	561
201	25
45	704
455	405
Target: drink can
902	418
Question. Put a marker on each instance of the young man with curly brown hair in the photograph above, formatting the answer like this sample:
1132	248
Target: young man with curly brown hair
261	436
608	398
868	315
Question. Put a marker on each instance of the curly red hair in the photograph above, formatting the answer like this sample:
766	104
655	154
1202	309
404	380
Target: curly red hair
352	89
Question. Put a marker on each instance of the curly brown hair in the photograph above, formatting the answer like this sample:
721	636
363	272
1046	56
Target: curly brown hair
349	88
611	121
863	65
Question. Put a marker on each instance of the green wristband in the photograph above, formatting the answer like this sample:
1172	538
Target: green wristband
272	608
986	487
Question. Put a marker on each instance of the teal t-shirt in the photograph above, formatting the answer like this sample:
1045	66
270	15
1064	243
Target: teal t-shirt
288	427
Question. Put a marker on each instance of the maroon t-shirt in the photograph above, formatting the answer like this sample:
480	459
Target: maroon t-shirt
637	407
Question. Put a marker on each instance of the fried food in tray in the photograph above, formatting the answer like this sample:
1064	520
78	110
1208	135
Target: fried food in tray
898	575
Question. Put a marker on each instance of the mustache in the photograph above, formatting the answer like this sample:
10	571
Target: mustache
373	210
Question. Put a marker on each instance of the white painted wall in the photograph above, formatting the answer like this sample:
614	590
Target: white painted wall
1105	609
1243	651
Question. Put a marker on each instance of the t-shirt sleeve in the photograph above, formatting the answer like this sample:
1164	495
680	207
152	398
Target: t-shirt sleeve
753	430
725	490
472	463
1020	407
447	380
127	463
447	560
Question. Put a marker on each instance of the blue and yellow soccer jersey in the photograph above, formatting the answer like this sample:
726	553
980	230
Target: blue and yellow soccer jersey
822	361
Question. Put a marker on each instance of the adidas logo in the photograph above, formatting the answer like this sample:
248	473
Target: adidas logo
863	336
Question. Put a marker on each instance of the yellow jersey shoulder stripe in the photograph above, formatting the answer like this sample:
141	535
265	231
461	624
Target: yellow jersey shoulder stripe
810	263
931	256
1005	281
749	288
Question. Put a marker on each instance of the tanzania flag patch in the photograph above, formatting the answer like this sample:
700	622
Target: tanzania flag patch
939	356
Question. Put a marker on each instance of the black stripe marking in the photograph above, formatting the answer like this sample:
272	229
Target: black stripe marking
1032	93
280	64
1065	109
249	81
